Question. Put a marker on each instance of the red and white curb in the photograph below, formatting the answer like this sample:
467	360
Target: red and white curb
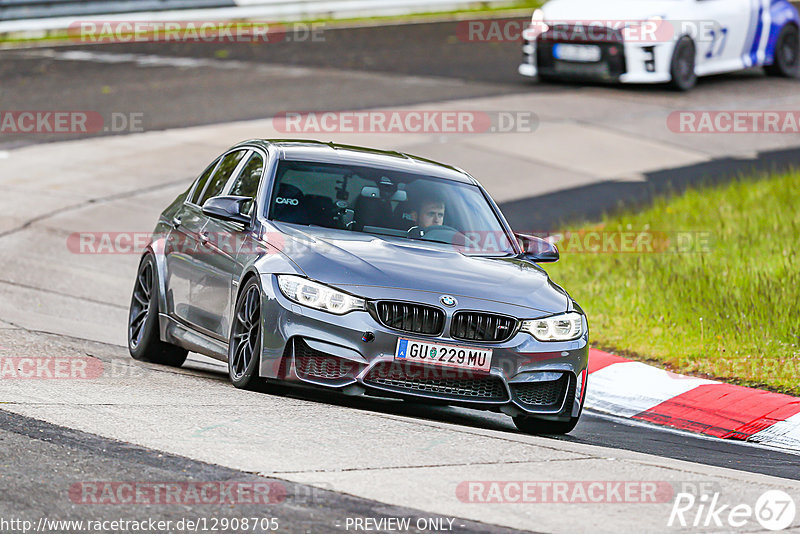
639	391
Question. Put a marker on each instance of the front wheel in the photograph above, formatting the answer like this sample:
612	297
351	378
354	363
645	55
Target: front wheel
244	345
531	425
547	78
787	54
144	342
683	63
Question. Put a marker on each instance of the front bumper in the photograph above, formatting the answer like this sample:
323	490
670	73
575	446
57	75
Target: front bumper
621	61
313	347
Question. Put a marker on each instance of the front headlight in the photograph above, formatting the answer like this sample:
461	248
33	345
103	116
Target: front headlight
564	327
318	296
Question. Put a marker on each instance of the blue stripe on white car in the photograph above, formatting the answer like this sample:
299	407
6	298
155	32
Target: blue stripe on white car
728	35
754	33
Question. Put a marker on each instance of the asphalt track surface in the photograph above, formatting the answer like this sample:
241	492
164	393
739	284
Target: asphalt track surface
261	80
41	459
351	69
46	460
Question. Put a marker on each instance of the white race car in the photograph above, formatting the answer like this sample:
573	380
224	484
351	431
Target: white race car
660	41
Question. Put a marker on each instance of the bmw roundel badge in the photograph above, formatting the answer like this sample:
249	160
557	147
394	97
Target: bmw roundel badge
448	301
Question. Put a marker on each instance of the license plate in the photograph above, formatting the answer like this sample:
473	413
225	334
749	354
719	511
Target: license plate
580	53
476	359
583	69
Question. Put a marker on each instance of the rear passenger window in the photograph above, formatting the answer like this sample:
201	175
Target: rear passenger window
202	181
221	176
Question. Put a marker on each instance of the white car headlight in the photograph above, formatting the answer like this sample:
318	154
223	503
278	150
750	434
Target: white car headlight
564	327
318	296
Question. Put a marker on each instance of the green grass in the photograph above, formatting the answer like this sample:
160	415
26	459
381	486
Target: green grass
730	311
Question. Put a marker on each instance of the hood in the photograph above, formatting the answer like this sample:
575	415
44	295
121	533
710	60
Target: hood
615	10
349	258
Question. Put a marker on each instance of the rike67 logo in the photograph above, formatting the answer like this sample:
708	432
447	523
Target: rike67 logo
774	510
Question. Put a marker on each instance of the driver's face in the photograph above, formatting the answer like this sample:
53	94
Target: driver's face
431	214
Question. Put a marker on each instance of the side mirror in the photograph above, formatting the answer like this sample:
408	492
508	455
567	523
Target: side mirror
228	209
536	249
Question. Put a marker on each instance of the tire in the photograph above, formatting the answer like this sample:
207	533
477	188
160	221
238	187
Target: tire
547	78
787	54
144	342
246	339
682	66
531	425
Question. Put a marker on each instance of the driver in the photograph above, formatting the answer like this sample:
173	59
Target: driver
428	211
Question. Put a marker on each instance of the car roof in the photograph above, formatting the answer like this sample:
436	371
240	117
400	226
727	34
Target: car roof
318	151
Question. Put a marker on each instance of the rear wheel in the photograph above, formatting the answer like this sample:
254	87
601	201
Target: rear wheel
682	66
531	425
787	54
144	342
244	346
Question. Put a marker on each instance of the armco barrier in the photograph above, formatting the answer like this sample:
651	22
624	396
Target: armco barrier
18	10
36	19
34	9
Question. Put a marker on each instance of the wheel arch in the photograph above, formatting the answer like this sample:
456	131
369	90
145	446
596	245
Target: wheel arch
248	274
161	275
246	277
782	14
692	39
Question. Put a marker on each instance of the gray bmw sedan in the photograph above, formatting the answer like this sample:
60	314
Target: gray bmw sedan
363	271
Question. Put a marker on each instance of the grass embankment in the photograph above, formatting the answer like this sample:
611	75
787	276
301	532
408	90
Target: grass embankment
730	310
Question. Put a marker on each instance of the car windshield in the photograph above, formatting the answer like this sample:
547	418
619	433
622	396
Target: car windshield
389	203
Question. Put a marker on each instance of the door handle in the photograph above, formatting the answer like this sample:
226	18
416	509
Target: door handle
176	222
204	238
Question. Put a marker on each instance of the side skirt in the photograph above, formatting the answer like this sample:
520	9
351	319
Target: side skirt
179	334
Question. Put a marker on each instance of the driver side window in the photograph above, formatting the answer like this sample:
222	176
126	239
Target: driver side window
221	176
246	185
202	181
